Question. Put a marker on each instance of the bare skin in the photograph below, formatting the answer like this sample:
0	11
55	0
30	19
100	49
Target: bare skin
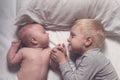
34	57
34	61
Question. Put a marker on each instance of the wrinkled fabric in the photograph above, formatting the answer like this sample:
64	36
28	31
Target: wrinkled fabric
61	14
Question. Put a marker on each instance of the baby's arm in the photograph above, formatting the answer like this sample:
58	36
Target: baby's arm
53	65
14	56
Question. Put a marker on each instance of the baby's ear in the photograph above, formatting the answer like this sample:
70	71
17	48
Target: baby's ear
88	41
34	40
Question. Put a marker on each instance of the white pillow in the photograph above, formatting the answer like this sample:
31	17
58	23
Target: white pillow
60	14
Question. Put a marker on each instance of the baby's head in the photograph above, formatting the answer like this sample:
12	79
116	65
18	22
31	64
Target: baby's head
86	34
33	35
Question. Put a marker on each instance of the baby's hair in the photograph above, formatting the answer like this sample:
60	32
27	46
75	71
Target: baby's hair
24	35
21	26
93	28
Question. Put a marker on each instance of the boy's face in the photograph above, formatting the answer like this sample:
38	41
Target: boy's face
76	40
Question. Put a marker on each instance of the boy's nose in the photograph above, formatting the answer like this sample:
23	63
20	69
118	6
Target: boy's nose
68	39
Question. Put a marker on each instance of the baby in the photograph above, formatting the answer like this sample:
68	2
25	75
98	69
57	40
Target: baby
34	56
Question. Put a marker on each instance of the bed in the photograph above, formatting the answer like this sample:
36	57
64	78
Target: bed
54	15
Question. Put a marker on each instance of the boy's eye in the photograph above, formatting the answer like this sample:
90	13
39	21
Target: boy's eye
44	32
72	36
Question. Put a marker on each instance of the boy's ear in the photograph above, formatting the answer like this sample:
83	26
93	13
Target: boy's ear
88	41
34	40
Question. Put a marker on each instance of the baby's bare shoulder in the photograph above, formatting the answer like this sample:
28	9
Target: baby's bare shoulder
24	49
27	52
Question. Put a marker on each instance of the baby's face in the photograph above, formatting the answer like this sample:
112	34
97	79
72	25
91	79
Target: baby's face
36	34
41	35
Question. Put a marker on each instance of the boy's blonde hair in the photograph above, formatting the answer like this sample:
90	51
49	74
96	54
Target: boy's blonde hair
93	28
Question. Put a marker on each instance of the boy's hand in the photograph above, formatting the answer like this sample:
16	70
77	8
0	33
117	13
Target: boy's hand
58	54
62	48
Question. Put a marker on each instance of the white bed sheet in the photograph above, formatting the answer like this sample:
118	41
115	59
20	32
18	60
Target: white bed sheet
7	33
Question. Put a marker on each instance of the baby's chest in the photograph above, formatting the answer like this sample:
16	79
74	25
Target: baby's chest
36	57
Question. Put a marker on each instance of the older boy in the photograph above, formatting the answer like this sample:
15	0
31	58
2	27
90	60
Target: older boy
86	38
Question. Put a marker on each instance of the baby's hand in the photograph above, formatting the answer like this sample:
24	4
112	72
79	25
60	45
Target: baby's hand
15	43
53	65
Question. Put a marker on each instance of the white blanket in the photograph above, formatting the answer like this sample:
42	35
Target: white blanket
8	13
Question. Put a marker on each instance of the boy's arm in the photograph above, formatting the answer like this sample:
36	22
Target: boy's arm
14	56
86	70
69	71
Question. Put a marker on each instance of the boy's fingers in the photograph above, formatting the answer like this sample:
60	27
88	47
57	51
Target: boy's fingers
57	49
60	48
63	45
58	45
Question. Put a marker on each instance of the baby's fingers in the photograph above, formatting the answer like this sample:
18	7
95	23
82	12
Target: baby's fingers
53	57
54	50
16	43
